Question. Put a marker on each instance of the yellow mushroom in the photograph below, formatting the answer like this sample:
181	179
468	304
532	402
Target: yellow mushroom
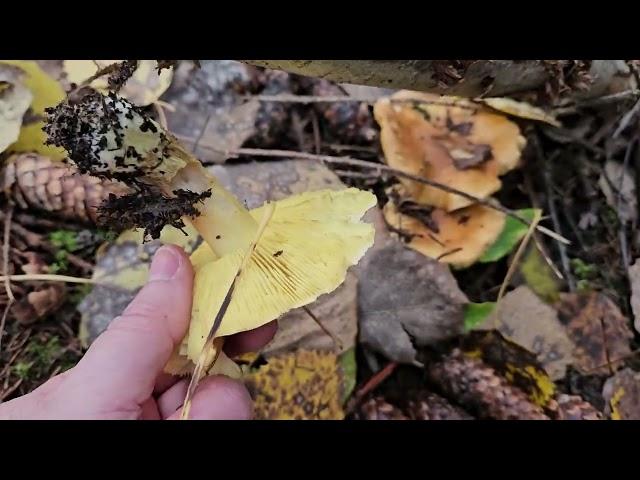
451	141
254	265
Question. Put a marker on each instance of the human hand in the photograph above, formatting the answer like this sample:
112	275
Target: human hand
121	375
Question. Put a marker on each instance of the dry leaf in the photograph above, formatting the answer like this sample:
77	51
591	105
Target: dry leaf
39	303
573	407
458	238
15	99
598	329
47	92
520	110
144	87
622	395
460	146
405	299
526	320
305	385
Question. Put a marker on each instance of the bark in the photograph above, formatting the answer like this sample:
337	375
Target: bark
453	77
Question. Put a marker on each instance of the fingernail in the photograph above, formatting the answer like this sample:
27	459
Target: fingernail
164	265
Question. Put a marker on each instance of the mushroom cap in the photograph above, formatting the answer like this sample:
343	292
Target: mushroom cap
305	251
459	144
463	236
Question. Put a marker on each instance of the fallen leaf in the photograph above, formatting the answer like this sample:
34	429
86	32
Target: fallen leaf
622	395
421	137
349	368
634	278
512	232
15	99
47	92
598	329
406	300
305	385
144	87
615	181
462	237
539	276
526	320
519	109
475	314
573	407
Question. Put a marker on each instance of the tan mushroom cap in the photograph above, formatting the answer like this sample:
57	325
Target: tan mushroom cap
428	140
462	237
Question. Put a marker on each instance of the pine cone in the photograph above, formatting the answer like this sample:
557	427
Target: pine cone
429	406
36	182
573	407
377	408
474	384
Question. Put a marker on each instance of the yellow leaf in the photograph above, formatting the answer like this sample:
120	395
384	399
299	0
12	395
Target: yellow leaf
47	92
305	385
144	87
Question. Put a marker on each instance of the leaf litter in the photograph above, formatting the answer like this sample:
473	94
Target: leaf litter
423	295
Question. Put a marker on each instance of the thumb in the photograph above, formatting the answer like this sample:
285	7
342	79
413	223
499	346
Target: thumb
131	353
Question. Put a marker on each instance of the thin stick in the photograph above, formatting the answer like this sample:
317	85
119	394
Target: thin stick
627	119
335	339
213	346
5	270
46	277
385	168
514	264
307	99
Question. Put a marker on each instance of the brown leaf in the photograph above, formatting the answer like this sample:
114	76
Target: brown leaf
405	299
526	320
573	407
598	329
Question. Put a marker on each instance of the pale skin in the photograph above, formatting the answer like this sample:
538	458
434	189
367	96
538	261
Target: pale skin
121	375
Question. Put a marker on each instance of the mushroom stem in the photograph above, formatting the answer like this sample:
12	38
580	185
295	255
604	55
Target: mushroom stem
224	223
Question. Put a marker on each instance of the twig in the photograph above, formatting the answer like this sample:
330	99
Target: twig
28	277
11	389
626	119
622	235
371	385
5	270
598	101
516	257
335	339
385	168
307	99
554	218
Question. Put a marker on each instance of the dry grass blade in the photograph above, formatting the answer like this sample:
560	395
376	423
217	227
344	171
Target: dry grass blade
213	346
333	336
46	277
5	271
